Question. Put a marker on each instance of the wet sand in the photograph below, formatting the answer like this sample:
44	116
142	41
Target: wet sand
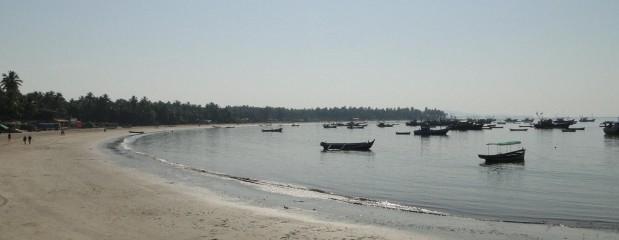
64	187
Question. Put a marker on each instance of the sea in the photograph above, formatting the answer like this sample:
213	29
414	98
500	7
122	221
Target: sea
567	178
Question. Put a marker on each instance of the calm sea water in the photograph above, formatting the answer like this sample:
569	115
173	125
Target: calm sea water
567	178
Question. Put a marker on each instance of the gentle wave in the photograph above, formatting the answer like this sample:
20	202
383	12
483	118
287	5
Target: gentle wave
284	188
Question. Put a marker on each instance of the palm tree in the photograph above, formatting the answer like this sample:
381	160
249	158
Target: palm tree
10	84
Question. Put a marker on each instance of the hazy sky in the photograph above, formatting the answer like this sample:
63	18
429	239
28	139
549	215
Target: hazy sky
559	57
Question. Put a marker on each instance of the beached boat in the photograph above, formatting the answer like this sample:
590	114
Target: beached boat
402	133
136	132
272	130
360	146
508	157
427	131
518	129
611	128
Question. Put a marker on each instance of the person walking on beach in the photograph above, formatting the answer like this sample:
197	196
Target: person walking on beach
9	137
24	138
29	139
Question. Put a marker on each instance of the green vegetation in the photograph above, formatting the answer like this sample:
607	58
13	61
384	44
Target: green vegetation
39	106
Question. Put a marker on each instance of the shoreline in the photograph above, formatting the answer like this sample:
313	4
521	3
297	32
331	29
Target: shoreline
64	187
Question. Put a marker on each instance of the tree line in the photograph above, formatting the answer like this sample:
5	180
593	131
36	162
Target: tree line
46	106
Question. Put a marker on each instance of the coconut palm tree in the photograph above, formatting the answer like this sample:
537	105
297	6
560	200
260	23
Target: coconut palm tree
10	82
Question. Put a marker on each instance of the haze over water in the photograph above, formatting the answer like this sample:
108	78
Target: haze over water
567	178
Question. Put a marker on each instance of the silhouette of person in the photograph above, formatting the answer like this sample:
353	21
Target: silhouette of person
29	139
24	138
9	137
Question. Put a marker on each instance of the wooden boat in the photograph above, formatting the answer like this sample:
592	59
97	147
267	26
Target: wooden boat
356	127
326	125
527	126
402	133
508	157
272	130
229	126
611	128
550	124
568	130
497	127
586	119
426	131
360	146
295	125
136	132
579	128
518	129
382	124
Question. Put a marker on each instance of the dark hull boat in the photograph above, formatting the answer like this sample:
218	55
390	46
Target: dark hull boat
518	129
611	129
586	119
136	132
508	157
549	124
382	125
430	132
329	126
272	130
356	127
402	133
361	146
568	130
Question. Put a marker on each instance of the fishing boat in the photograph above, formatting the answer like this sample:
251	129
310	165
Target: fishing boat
497	127
136	132
360	146
427	131
578	128
402	133
295	125
550	124
382	124
507	157
611	128
356	127
272	130
230	127
518	129
568	130
329	125
586	119
525	126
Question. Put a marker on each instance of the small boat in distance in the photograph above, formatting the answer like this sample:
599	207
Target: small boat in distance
568	130
518	129
360	146
527	126
272	130
329	125
382	124
586	119
295	125
508	157
402	133
356	127
578	128
230	127
427	131
136	132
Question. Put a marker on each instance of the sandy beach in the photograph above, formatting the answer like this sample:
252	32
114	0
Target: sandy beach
64	187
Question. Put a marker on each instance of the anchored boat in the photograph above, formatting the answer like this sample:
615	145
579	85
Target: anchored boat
360	146
507	157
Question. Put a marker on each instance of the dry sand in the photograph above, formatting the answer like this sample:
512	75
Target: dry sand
63	187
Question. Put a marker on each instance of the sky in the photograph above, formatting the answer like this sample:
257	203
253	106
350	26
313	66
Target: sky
484	57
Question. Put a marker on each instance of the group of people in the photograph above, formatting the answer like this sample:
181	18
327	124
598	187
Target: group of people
27	140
